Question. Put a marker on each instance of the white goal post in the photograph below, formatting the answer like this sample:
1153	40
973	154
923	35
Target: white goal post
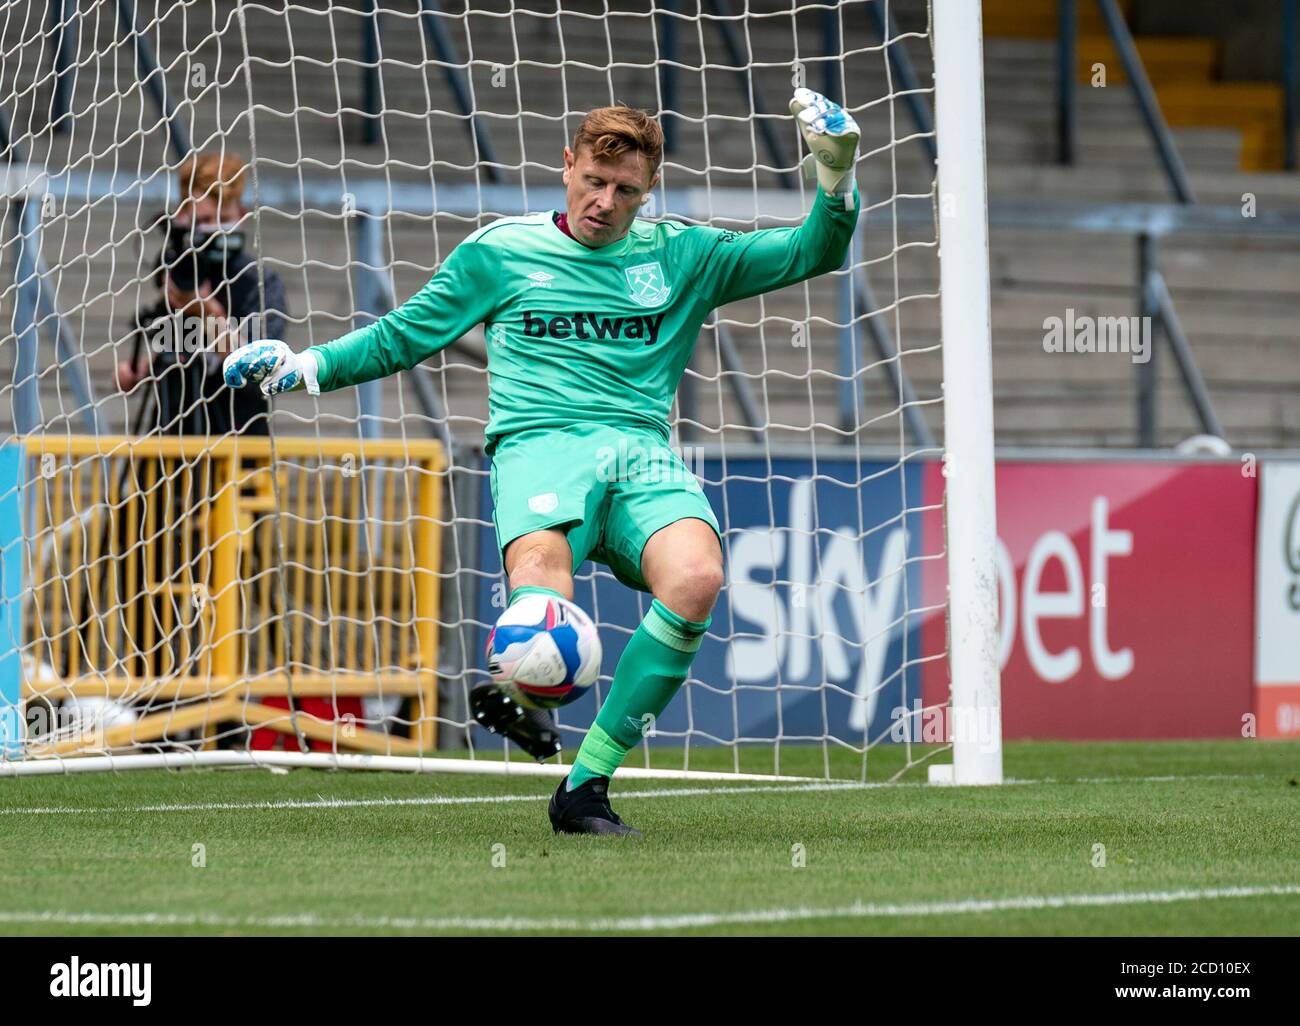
970	497
309	583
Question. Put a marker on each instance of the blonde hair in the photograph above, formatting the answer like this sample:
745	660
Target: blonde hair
214	174
610	132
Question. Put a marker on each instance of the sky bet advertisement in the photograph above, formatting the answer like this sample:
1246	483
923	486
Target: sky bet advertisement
1126	594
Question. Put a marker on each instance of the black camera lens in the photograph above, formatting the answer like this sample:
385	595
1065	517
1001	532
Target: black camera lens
186	269
194	255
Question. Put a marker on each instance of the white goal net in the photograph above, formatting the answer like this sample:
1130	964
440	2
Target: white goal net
197	576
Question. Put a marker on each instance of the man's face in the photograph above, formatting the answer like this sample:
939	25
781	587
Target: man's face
604	196
205	211
198	210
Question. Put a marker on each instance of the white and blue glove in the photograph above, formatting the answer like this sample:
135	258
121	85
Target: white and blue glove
832	137
272	364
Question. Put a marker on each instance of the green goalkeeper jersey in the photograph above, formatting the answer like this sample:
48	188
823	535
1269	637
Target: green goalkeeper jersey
576	334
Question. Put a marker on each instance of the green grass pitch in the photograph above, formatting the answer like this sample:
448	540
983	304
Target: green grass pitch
310	852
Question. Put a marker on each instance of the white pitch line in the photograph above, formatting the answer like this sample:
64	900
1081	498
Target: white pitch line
646	923
362	803
685	792
1161	779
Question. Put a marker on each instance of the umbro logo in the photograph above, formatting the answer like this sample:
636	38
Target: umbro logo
540	280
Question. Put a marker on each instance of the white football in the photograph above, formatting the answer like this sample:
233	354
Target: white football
545	651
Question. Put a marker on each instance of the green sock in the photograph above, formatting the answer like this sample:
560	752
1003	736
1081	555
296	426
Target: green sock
651	670
530	589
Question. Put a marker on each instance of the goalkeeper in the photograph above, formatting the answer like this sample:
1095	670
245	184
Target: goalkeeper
591	316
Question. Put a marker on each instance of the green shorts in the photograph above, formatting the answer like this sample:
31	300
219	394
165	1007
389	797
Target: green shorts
608	488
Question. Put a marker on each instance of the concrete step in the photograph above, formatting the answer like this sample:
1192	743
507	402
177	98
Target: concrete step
1128	147
1035	19
1165	59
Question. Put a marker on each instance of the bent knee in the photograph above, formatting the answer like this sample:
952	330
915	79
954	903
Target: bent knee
541	552
697	583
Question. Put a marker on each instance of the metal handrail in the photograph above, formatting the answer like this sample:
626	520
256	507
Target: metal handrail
371	87
65	47
909	85
1193	382
153	79
729	357
1147	373
667	59
1289	82
1066	59
751	90
459	83
1148	104
36	307
888	358
373	299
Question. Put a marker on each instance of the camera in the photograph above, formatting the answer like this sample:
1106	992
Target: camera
194	254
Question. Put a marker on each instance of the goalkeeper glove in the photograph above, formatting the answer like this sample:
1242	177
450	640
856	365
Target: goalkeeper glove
274	364
832	137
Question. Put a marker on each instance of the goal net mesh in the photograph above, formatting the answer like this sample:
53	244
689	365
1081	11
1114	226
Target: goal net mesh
186	570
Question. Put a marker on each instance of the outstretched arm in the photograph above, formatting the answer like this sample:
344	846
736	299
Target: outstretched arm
737	265
453	301
731	265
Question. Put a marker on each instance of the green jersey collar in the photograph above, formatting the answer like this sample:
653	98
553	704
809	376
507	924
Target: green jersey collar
613	249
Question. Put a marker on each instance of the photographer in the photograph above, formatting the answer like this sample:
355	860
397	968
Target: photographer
215	294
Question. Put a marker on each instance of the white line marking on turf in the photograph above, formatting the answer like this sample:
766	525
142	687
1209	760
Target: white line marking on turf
1163	779
858	910
491	799
482	799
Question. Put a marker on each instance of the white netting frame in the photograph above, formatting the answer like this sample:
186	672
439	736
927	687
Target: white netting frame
882	156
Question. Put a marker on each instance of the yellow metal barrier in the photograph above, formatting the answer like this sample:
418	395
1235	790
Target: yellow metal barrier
190	578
